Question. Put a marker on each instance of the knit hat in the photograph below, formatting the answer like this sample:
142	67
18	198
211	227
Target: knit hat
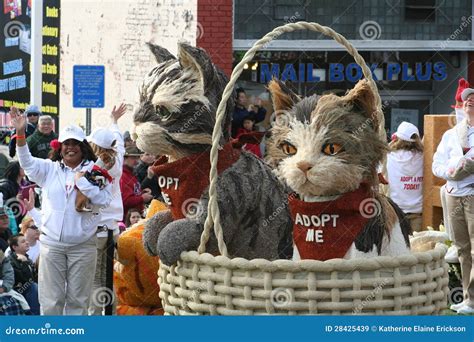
406	130
32	109
71	132
102	137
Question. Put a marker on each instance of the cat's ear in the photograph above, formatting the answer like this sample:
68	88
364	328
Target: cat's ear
160	53
197	60
363	98
283	98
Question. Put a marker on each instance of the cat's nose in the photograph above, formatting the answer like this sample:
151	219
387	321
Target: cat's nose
304	166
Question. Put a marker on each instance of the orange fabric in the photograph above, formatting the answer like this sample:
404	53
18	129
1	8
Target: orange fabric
128	310
135	272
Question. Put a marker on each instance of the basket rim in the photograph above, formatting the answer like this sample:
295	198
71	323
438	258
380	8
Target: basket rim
359	264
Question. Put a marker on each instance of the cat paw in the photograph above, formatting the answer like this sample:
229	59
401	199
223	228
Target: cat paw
150	238
179	236
153	228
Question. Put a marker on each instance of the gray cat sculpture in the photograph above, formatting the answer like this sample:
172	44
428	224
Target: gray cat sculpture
327	151
176	116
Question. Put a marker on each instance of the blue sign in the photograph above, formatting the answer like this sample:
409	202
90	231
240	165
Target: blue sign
88	86
352	72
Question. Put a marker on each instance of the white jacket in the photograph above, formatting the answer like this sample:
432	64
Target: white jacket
405	180
114	212
61	223
447	156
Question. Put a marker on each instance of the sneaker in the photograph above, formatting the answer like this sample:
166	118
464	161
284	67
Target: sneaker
456	307
466	310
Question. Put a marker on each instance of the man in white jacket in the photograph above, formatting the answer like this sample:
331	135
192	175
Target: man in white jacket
454	161
108	138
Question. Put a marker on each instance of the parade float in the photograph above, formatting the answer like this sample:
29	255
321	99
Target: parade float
201	283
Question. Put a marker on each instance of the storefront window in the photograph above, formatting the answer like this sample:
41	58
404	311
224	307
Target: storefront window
398	20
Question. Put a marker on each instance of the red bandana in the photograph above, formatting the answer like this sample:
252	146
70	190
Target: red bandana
326	230
188	177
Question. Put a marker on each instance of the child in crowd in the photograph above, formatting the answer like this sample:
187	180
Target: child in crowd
133	216
405	172
247	130
11	302
26	276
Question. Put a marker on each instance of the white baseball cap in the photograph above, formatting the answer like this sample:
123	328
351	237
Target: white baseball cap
71	132
102	137
466	92
406	130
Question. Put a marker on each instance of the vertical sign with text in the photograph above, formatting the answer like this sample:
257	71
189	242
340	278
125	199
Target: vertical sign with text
15	56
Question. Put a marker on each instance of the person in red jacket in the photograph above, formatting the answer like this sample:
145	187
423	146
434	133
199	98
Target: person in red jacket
132	194
246	129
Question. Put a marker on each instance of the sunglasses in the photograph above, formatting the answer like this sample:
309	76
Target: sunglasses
32	114
33	227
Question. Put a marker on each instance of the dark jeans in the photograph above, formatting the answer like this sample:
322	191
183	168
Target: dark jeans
31	296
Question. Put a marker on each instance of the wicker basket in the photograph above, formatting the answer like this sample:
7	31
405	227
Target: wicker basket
201	283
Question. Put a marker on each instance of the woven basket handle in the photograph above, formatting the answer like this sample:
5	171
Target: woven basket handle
213	216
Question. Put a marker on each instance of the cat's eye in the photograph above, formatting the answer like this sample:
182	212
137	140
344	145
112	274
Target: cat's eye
332	149
288	148
163	112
